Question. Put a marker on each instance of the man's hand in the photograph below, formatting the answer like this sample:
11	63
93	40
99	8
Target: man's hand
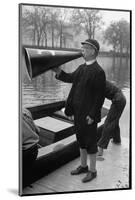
57	70
71	118
89	120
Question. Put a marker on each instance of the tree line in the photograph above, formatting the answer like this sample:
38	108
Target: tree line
57	27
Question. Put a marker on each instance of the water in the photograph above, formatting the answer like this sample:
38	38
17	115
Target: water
46	89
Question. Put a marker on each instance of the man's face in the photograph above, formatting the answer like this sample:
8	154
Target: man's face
88	52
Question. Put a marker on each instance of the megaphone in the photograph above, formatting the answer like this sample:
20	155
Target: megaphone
39	61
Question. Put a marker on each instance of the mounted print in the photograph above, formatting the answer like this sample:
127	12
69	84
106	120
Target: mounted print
75	99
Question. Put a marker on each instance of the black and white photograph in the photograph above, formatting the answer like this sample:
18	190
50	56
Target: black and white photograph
74	99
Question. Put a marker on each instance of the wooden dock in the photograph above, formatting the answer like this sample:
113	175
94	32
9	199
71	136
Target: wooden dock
113	173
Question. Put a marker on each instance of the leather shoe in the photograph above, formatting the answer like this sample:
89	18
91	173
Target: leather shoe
89	177
116	142
79	170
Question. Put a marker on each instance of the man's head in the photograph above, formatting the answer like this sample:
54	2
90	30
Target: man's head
90	49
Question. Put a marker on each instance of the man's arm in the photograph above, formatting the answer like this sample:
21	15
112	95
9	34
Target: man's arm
63	76
27	116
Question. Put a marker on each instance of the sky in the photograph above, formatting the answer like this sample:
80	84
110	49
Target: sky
109	15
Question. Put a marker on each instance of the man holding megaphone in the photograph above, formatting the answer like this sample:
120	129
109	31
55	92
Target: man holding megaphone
84	102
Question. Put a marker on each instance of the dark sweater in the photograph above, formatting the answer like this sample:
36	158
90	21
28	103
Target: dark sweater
88	91
112	92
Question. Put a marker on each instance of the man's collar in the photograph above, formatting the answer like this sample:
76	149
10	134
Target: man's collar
90	62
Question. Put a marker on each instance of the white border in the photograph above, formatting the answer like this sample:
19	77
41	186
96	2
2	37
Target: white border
9	99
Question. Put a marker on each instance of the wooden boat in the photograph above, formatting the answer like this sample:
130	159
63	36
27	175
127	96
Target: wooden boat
57	139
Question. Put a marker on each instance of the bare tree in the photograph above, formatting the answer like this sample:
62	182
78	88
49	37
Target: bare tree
117	35
124	35
35	21
111	35
54	14
44	23
64	27
88	20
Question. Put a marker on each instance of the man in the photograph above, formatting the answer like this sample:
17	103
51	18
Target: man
111	126
84	103
30	139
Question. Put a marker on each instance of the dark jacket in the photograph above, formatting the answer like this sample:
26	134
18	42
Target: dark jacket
87	94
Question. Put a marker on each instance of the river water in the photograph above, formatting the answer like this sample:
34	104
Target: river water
45	88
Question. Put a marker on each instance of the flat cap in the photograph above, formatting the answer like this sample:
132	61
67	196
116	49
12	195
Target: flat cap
93	43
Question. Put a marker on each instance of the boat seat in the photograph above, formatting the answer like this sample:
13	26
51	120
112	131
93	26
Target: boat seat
53	129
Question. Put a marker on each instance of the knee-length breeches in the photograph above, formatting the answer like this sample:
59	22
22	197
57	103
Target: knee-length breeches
87	136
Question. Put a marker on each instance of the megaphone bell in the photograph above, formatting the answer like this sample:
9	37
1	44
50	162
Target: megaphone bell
39	61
